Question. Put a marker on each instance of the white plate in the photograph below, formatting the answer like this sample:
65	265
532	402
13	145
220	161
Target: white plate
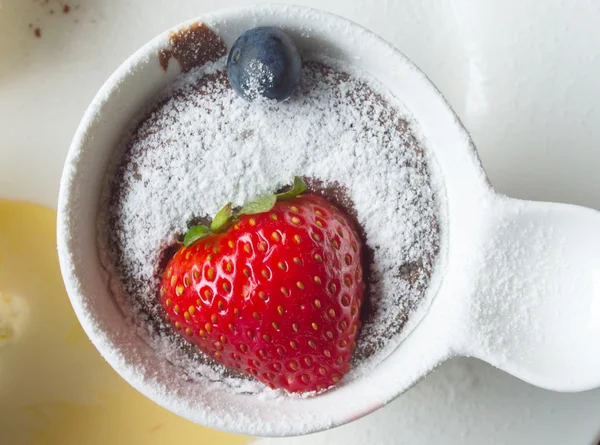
521	74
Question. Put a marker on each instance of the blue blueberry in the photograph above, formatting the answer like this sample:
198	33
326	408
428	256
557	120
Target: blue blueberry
264	62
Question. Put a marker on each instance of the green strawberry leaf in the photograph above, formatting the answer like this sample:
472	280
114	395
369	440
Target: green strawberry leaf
222	218
298	188
259	205
196	233
226	215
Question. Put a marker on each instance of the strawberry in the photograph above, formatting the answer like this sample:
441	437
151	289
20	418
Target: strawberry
273	290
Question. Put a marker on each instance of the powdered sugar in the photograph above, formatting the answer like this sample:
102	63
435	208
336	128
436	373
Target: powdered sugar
202	146
259	78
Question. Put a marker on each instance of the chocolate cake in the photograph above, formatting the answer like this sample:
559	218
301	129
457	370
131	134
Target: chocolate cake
198	146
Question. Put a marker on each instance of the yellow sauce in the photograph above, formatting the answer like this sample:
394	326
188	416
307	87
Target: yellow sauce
55	389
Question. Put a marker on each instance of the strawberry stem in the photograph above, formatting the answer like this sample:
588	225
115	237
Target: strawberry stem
259	205
196	233
298	188
222	219
227	215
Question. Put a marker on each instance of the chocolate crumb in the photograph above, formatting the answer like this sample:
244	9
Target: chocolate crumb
192	47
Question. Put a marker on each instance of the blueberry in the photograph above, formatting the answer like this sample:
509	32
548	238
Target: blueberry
264	62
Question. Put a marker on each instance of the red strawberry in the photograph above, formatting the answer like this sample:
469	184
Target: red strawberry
276	295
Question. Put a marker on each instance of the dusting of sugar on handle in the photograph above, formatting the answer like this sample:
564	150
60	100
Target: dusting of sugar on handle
535	310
